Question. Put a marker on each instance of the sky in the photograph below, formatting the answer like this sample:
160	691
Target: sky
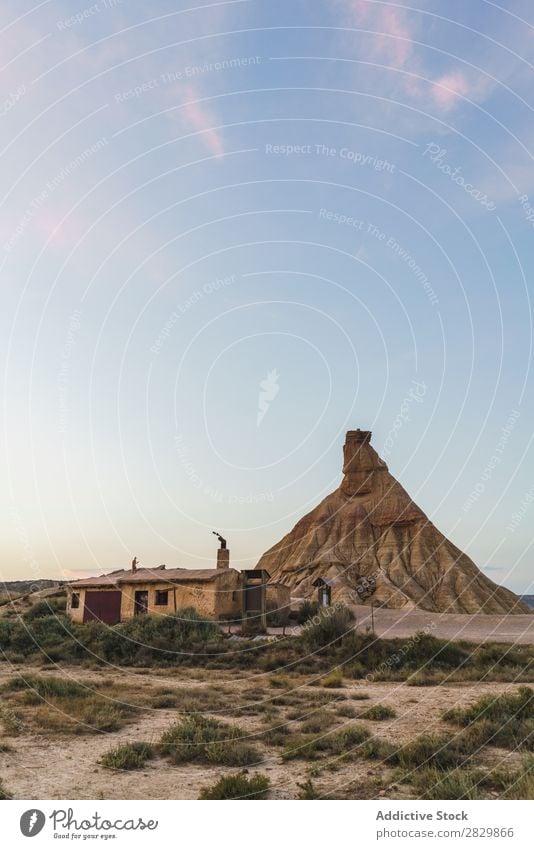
232	231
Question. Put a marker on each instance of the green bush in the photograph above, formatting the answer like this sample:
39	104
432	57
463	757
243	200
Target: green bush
328	627
199	738
128	756
237	787
306	611
46	607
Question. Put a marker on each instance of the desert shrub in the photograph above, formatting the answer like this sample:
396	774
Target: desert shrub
199	738
40	634
6	629
164	700
47	687
66	706
277	617
306	611
319	721
237	787
517	706
309	791
155	637
46	607
440	653
279	682
333	679
276	735
128	756
506	720
449	784
328	627
375	749
378	713
341	743
436	751
513	783
347	710
4	795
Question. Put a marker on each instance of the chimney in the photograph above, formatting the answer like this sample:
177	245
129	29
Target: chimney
223	558
223	555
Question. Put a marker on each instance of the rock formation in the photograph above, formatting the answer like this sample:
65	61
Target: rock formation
369	540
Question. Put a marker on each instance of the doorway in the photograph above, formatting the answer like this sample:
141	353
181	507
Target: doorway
140	602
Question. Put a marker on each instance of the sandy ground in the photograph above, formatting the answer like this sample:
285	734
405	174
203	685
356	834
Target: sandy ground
61	766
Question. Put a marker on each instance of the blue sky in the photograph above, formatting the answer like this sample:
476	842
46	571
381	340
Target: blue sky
232	231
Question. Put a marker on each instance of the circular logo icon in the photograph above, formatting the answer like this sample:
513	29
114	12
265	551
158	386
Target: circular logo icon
32	822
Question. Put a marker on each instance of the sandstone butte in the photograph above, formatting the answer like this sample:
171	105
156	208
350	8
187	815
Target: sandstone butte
371	542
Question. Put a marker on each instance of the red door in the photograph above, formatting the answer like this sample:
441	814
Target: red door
104	606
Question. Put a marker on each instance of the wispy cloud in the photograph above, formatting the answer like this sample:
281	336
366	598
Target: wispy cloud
393	30
201	119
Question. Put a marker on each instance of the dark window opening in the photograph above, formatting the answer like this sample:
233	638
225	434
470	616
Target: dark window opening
140	602
162	597
75	601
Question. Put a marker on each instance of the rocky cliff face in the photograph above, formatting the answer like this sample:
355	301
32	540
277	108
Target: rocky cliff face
371	541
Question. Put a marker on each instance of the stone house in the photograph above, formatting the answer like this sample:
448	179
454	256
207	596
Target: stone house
123	594
223	593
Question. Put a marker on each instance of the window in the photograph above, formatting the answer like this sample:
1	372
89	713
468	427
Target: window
75	601
162	597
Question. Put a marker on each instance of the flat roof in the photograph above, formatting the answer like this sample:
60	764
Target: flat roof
159	574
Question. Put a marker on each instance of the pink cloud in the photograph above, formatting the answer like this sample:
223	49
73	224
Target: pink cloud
449	88
202	120
392	39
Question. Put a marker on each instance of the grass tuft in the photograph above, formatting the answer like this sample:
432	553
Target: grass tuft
128	756
237	787
199	738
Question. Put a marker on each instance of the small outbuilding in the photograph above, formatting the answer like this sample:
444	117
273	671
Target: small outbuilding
324	591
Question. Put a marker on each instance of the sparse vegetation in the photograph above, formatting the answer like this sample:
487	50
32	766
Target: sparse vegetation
128	756
328	641
378	713
328	627
341	743
64	705
333	680
199	738
317	722
438	751
506	720
237	787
